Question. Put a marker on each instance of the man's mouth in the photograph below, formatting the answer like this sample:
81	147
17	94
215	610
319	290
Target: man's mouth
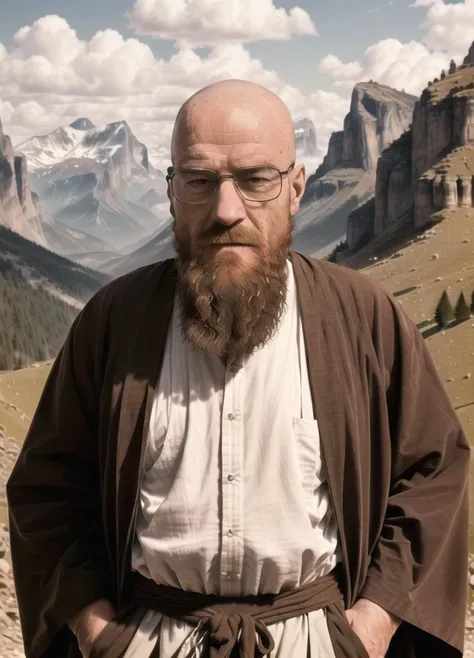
233	244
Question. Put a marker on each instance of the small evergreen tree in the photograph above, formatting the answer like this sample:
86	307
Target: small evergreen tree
443	74
444	311
462	311
452	67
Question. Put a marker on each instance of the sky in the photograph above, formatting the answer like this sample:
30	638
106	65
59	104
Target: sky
138	60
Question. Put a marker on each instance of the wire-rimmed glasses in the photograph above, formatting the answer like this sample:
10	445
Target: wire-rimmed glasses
198	186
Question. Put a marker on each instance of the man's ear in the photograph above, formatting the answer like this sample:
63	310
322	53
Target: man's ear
298	184
169	193
171	199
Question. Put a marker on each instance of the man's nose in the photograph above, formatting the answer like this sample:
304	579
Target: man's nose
229	207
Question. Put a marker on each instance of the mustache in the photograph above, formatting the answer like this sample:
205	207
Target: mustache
232	236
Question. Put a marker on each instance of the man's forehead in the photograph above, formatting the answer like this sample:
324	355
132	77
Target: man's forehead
232	132
238	154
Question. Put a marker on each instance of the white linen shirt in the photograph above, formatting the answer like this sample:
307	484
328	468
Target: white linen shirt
234	499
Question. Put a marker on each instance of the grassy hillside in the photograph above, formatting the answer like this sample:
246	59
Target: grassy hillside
417	269
19	394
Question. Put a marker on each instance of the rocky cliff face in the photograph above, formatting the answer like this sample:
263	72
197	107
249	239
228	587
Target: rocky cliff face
431	166
20	210
443	123
332	158
393	187
346	178
469	59
378	115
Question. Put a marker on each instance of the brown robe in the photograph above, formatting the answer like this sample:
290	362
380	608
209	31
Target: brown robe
396	457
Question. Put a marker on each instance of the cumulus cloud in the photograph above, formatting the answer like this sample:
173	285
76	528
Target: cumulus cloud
449	31
197	23
406	66
450	27
109	78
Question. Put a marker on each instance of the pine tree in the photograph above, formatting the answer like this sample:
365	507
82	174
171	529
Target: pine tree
444	311
462	311
452	67
443	74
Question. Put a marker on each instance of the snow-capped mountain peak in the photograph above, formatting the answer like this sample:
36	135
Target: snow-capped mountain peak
83	123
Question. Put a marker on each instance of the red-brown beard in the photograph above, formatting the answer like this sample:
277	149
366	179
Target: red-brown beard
229	308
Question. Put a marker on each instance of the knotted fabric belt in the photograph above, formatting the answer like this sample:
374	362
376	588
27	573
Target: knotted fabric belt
238	627
233	628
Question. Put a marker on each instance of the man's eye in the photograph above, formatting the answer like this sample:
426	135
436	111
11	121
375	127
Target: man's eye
199	182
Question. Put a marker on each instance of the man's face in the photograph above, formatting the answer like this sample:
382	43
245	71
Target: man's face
230	249
265	227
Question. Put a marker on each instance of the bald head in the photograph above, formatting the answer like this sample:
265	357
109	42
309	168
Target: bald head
238	116
232	237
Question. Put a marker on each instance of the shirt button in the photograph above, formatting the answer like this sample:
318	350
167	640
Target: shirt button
230	416
230	477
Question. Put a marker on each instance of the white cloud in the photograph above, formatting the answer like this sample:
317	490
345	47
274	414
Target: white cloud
449	33
400	65
6	112
332	66
194	23
450	27
109	78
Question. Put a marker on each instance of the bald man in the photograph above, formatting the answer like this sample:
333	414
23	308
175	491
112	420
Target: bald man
241	451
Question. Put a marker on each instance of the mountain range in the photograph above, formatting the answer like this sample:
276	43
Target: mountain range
103	203
97	182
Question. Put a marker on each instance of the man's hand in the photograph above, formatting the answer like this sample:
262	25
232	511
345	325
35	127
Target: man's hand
90	622
374	626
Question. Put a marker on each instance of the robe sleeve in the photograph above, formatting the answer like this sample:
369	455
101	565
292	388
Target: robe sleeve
418	568
57	543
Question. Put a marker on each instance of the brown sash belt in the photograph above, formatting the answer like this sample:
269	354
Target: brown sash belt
235	627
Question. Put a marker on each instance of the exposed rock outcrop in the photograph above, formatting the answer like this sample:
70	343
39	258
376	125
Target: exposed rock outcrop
20	210
332	158
378	115
469	59
360	225
443	125
346	178
442	121
431	166
449	184
393	188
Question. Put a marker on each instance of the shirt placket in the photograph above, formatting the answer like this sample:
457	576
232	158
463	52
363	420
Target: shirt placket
231	484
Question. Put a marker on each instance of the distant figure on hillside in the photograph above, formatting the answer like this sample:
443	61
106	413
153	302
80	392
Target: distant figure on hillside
242	451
